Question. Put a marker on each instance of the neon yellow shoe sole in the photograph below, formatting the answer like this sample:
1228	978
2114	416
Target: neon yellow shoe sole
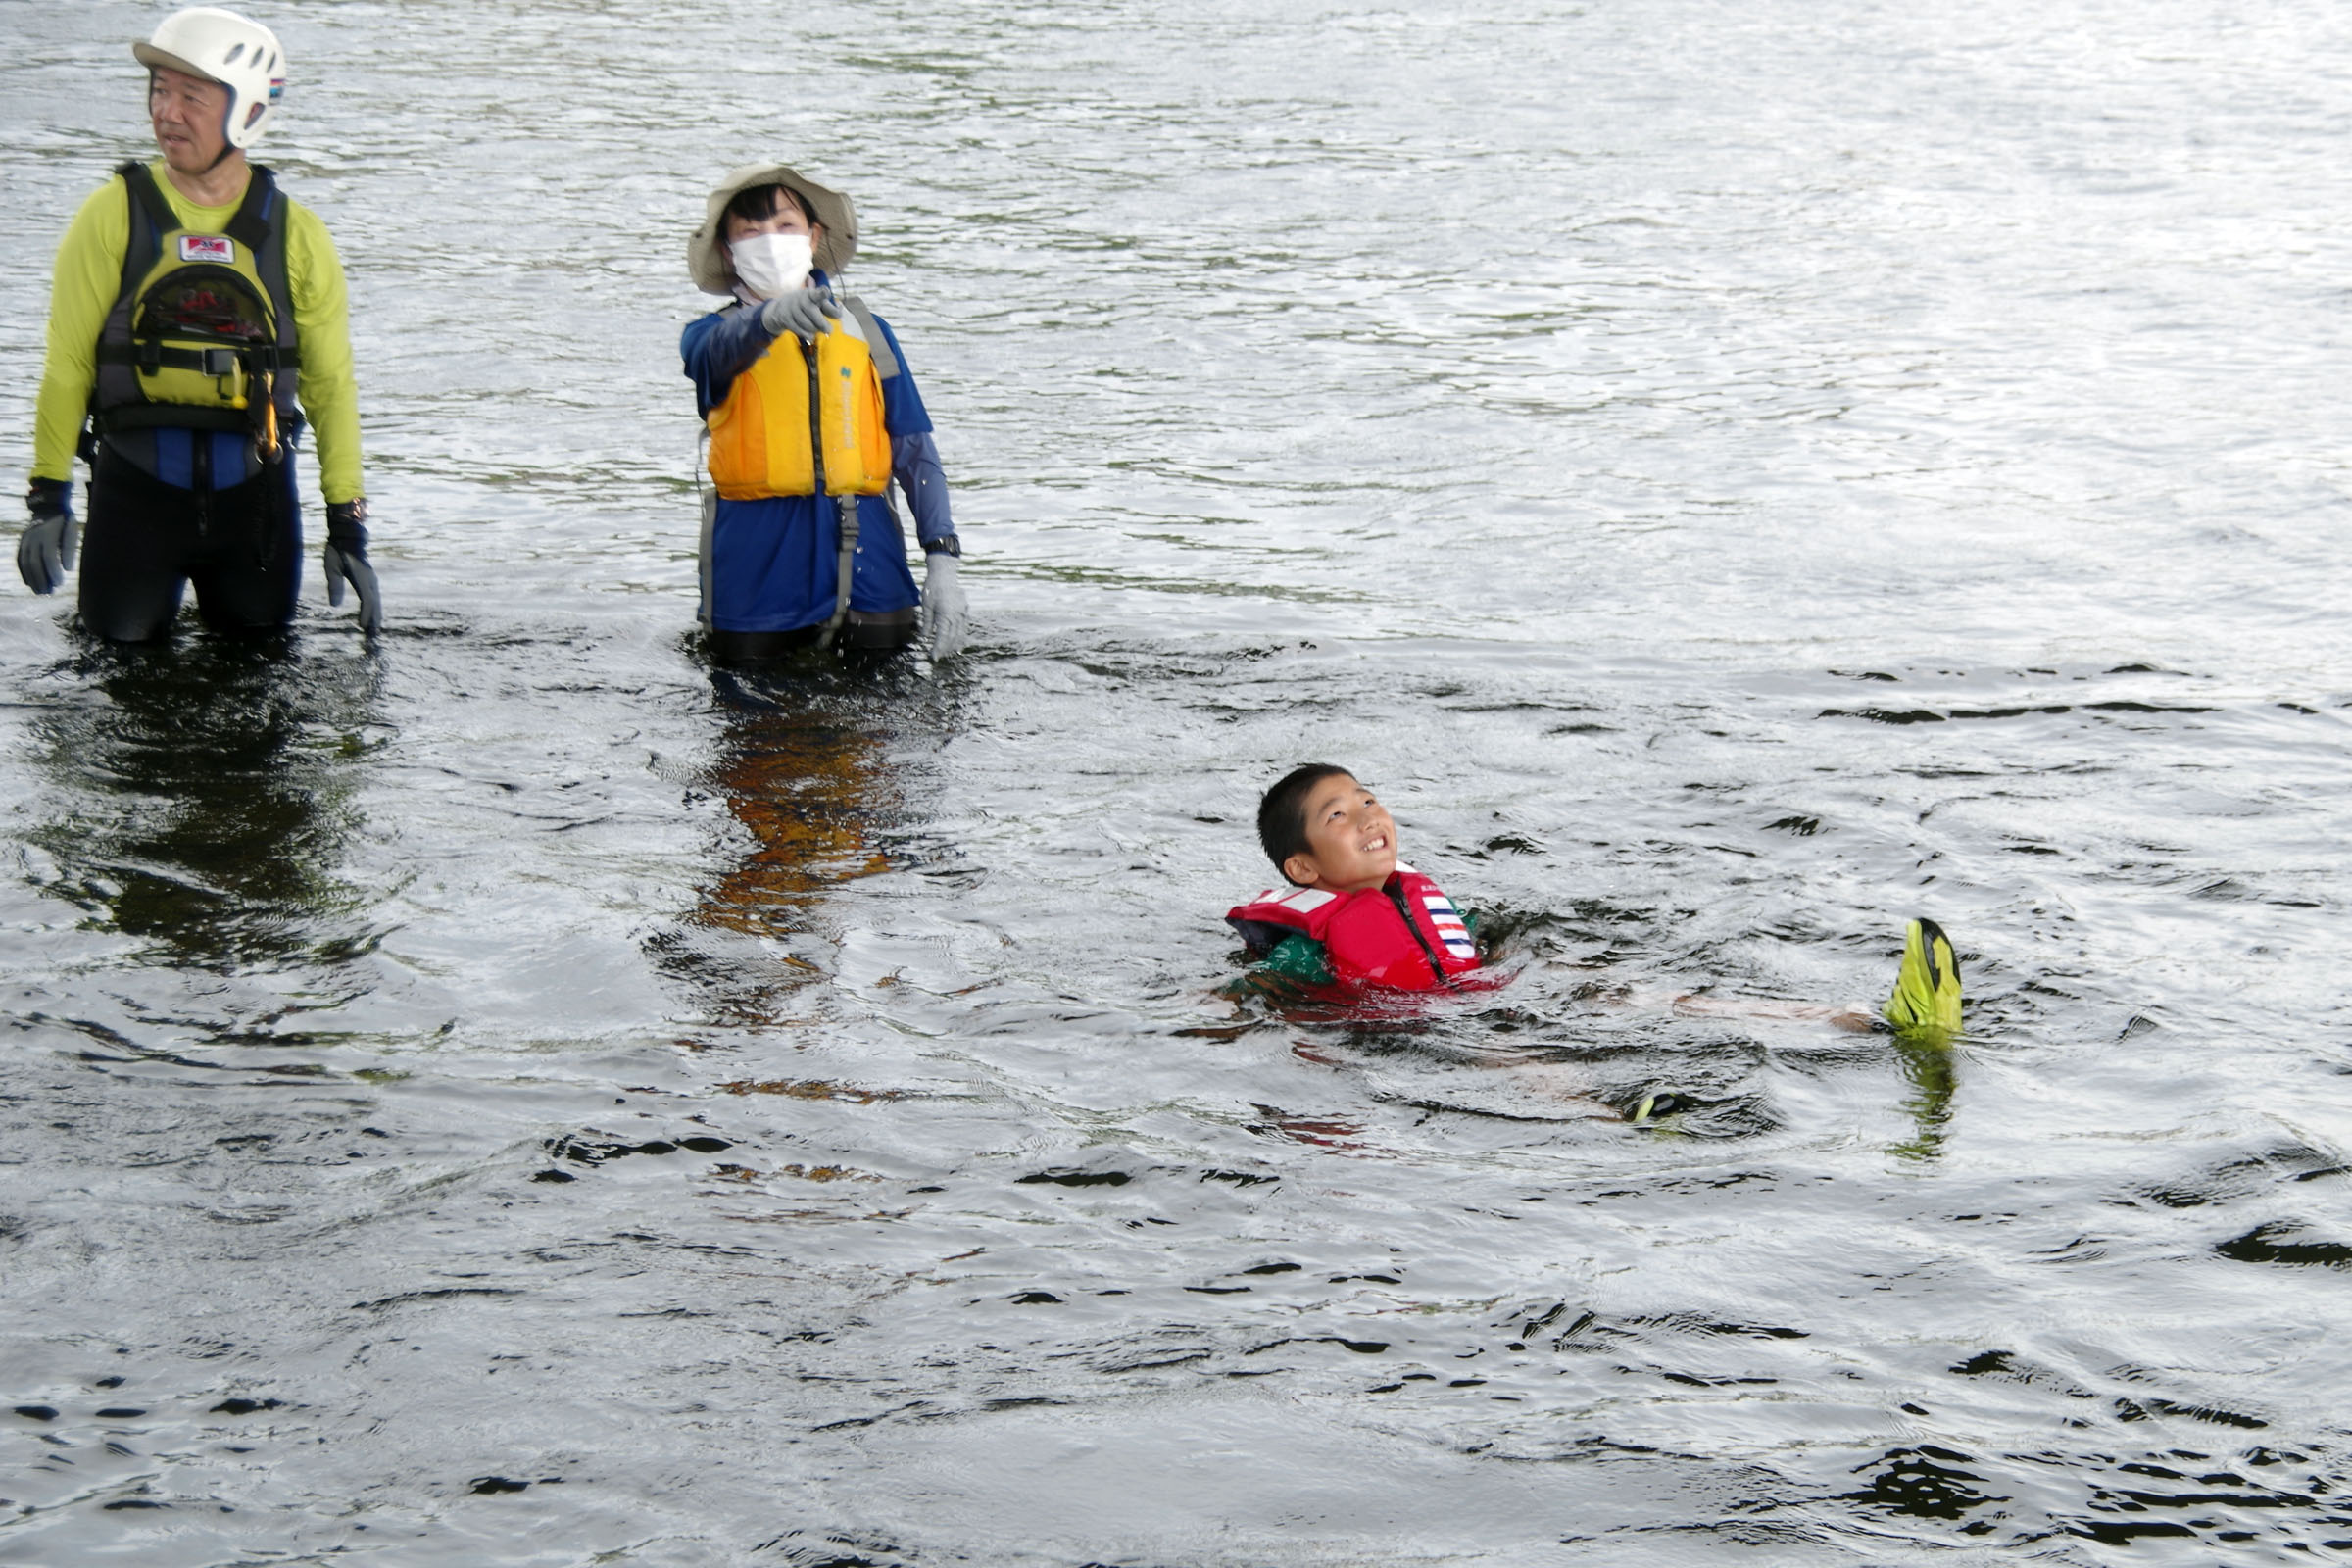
1926	988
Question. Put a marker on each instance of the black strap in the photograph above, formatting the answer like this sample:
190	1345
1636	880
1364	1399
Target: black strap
143	190
172	417
150	354
1437	965
251	224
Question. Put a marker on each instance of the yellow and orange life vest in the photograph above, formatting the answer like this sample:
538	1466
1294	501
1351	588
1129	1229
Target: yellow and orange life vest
797	424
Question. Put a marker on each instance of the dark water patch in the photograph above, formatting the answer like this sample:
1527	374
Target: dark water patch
440	1293
1355	1346
492	1486
2287	1242
2013	712
2212	1415
1691	1323
239	1406
2243	1177
1075	1178
1884	716
584	1151
1511	844
2127	1532
844	1549
2006	1365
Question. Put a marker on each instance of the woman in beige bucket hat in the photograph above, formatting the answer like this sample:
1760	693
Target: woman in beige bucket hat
813	415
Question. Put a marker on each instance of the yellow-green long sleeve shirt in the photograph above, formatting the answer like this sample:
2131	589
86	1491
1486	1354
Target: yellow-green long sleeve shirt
89	274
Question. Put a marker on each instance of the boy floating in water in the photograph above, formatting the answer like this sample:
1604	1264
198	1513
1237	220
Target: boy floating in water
1355	915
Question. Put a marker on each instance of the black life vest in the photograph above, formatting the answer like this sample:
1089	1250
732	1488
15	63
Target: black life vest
202	323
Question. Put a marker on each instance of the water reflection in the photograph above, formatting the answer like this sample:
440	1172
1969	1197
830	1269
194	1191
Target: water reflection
204	794
1928	1066
800	763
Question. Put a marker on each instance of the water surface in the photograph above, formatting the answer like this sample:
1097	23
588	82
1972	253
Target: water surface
1732	477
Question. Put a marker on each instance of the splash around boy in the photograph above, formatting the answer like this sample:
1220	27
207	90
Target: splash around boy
1357	915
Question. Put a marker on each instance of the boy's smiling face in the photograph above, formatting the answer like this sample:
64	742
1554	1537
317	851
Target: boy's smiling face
1350	839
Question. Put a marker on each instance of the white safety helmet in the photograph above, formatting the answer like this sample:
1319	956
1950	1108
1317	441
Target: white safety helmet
224	47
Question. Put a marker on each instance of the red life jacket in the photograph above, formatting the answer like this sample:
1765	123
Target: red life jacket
1404	933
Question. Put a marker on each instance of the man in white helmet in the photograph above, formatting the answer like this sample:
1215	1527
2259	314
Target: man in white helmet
196	323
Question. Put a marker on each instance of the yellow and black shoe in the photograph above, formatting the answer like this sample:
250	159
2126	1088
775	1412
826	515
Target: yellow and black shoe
1926	988
1659	1105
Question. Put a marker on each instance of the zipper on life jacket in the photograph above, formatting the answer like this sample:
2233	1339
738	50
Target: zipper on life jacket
1436	968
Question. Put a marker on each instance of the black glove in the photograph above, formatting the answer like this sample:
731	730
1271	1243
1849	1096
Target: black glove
802	312
346	560
52	539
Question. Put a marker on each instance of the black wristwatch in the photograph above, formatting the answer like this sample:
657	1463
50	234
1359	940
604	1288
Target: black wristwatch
945	544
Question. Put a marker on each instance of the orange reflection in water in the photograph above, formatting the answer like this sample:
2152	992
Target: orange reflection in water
802	772
808	790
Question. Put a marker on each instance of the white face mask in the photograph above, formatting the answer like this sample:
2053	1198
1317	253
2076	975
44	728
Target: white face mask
770	264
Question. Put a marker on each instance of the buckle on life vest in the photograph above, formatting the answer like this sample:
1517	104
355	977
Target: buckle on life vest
222	361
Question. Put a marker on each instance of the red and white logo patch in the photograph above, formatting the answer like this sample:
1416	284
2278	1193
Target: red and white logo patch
208	248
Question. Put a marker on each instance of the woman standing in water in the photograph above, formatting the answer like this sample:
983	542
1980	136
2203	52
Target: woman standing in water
811	414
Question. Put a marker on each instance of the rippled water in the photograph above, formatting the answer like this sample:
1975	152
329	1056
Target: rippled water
1732	476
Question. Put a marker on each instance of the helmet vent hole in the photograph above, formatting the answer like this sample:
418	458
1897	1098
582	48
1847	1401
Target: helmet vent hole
230	58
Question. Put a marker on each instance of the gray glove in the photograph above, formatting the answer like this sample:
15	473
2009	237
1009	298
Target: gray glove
50	540
802	312
946	616
346	558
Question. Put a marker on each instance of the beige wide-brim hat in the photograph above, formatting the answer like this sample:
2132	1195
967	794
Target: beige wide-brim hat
706	253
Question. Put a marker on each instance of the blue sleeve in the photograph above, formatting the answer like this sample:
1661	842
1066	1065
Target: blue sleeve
914	455
914	462
719	347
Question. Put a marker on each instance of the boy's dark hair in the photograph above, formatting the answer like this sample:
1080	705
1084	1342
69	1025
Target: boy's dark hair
758	202
1282	814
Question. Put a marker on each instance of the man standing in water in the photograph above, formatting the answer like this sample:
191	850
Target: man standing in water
191	301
